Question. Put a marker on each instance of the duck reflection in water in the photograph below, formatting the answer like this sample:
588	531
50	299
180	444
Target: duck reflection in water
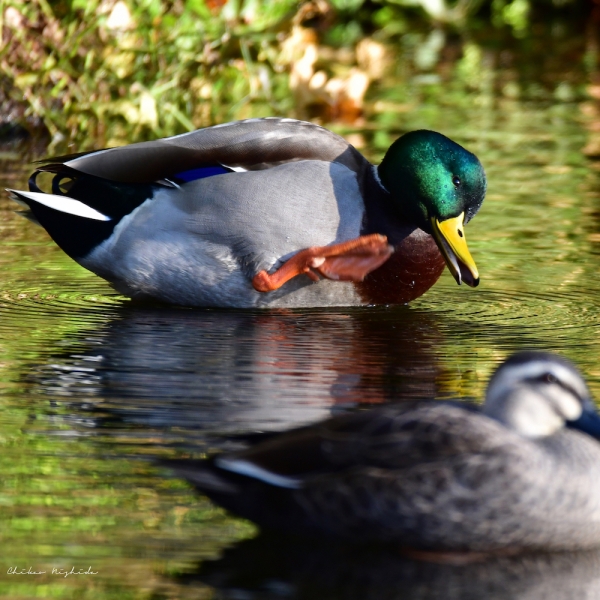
521	475
225	371
272	566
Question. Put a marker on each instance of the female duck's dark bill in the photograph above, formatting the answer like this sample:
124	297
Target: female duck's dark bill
450	238
589	421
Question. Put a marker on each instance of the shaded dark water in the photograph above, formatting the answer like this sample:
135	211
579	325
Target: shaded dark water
92	387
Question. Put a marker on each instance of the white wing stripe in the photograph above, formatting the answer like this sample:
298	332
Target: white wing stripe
243	467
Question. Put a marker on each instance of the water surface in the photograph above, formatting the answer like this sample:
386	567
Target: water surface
92	386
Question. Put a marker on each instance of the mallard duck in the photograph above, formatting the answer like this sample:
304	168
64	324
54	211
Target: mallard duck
265	212
521	474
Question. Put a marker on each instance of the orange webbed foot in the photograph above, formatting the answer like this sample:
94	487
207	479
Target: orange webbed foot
348	261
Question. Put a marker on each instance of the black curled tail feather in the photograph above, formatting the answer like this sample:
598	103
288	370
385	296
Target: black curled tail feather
75	234
110	198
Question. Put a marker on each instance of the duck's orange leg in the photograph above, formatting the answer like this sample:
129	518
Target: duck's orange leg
347	261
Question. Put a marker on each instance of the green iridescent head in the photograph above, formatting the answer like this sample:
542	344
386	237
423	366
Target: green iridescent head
439	186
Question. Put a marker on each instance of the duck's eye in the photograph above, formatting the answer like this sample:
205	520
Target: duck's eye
456	180
549	378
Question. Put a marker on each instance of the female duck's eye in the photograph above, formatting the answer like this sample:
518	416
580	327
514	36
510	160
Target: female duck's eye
549	378
456	180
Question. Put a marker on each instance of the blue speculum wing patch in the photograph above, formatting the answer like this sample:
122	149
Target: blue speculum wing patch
201	173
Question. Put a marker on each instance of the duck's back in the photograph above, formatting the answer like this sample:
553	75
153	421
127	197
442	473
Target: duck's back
252	144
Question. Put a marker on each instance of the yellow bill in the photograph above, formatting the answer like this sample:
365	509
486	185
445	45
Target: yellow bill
450	238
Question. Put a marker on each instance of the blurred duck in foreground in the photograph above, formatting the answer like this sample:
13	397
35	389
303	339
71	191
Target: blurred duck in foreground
264	212
521	474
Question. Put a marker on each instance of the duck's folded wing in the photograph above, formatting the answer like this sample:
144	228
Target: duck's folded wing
249	145
378	474
389	439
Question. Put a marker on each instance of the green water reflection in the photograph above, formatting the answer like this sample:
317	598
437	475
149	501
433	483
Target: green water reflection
91	386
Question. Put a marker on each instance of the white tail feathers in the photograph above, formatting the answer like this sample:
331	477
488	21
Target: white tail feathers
60	203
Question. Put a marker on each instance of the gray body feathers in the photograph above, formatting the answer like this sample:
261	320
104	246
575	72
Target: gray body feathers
202	244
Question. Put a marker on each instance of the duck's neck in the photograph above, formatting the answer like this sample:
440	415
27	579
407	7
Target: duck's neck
399	183
382	213
416	263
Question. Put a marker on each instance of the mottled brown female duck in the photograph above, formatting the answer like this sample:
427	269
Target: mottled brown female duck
265	212
521	474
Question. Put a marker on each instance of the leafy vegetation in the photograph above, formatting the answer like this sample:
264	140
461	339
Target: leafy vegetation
110	70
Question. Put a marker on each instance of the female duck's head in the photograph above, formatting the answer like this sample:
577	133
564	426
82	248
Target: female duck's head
537	394
440	186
